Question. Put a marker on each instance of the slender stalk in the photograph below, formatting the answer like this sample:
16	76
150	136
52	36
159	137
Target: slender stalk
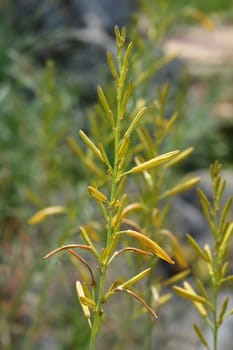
116	147
98	313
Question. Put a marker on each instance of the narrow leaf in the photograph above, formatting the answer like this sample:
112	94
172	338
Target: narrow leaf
156	249
127	56
208	253
225	212
200	336
97	194
188	294
202	289
224	270
176	278
154	162
112	66
88	302
172	121
206	211
103	156
135	279
135	121
119	39
41	215
126	97
88	241
105	104
197	248
117	218
89	143
176	248
199	305
223	310
123	148
228	279
75	147
204	199
80	293
120	187
226	237
221	190
181	156
181	187
201	17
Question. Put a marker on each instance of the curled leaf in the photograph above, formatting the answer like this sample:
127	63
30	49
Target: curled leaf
65	247
141	300
70	251
131	249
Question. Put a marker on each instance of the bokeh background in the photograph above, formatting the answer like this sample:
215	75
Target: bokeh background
52	56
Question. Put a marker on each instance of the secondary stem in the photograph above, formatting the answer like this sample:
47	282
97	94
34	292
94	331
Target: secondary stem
98	313
215	277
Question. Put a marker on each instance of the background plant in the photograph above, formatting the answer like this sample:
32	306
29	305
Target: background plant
207	299
153	194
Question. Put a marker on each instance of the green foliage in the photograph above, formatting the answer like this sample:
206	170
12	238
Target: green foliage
39	107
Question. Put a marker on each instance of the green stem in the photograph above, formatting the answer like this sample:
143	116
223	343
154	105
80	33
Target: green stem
98	313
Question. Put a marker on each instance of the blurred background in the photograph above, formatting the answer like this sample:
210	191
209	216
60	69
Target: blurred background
52	56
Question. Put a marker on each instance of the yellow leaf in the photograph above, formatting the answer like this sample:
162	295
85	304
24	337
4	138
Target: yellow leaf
42	214
154	162
156	249
97	194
